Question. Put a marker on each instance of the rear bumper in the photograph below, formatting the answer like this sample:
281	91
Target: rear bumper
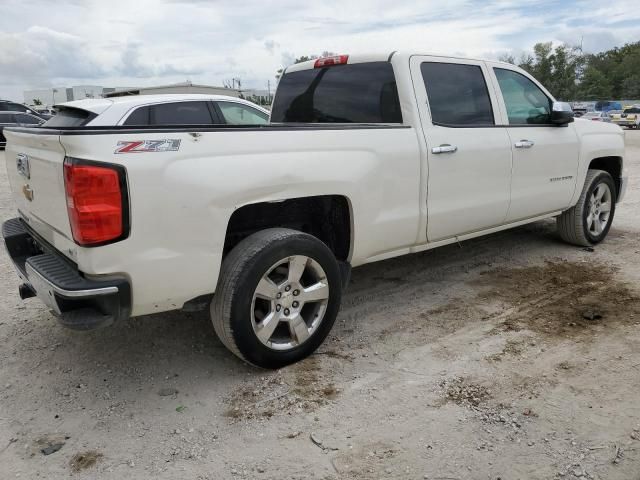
77	302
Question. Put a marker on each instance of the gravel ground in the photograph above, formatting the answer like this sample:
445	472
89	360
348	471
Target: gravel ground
513	356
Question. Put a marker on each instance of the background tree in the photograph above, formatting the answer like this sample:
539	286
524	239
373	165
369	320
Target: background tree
37	102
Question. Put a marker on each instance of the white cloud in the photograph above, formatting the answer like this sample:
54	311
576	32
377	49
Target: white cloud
144	42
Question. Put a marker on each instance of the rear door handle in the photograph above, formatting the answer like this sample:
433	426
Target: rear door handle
444	148
524	144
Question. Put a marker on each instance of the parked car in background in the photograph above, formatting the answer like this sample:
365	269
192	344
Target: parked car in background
9	106
629	117
13	119
607	105
597	117
159	110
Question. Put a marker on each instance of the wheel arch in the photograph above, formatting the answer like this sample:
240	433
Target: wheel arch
611	165
327	217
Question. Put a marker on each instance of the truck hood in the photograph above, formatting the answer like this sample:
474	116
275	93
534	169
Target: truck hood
584	126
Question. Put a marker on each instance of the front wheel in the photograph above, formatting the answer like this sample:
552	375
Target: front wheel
589	221
277	298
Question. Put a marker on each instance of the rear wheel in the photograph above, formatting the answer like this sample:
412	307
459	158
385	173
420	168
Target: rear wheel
277	298
589	221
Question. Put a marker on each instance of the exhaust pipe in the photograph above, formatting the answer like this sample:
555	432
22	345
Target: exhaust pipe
26	291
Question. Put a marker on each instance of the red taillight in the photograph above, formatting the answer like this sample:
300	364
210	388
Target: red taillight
328	61
94	202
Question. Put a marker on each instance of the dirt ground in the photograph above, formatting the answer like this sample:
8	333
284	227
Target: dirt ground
513	356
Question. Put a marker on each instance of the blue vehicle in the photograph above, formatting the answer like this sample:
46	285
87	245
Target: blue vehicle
607	105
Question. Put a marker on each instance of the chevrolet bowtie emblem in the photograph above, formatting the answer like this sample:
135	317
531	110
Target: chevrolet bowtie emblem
28	192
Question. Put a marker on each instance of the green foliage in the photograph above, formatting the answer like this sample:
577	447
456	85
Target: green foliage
571	75
37	101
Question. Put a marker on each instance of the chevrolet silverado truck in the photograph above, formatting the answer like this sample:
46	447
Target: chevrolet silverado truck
366	157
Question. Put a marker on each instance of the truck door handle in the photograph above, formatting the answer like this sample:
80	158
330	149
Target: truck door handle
524	144
444	148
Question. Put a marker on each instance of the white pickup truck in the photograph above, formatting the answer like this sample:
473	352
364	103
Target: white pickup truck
366	157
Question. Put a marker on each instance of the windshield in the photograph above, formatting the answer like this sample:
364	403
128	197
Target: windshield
357	93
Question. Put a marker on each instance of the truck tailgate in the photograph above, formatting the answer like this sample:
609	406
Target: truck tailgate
36	175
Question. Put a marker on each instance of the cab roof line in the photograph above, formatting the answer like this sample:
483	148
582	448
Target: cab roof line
391	55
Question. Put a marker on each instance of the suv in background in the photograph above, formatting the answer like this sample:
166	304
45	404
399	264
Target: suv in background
13	119
9	106
629	117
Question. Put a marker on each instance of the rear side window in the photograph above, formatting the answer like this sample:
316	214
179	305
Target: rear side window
239	114
140	116
357	93
181	113
457	93
70	117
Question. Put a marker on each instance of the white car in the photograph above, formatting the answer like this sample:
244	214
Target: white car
597	117
367	157
159	110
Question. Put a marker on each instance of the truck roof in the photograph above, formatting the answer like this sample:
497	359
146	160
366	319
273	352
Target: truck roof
379	57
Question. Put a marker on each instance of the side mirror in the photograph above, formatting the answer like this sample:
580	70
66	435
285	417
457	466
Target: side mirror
561	113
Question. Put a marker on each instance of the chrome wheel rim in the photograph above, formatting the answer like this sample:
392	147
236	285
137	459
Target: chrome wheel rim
289	302
599	210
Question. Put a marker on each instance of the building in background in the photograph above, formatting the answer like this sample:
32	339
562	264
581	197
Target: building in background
51	96
184	87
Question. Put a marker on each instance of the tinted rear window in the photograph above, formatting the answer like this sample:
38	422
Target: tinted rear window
632	110
70	117
358	93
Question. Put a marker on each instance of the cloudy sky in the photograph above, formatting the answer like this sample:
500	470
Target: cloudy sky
46	43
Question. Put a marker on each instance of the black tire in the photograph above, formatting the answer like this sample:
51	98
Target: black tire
572	224
242	269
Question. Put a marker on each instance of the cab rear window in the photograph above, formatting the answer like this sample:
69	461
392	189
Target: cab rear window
356	93
70	117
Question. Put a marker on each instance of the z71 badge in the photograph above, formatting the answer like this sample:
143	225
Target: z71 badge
143	146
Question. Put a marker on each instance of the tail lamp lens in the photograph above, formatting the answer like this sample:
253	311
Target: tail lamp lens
329	61
94	202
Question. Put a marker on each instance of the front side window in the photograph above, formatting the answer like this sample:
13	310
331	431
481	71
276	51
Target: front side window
457	93
352	93
181	113
6	118
239	114
526	103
